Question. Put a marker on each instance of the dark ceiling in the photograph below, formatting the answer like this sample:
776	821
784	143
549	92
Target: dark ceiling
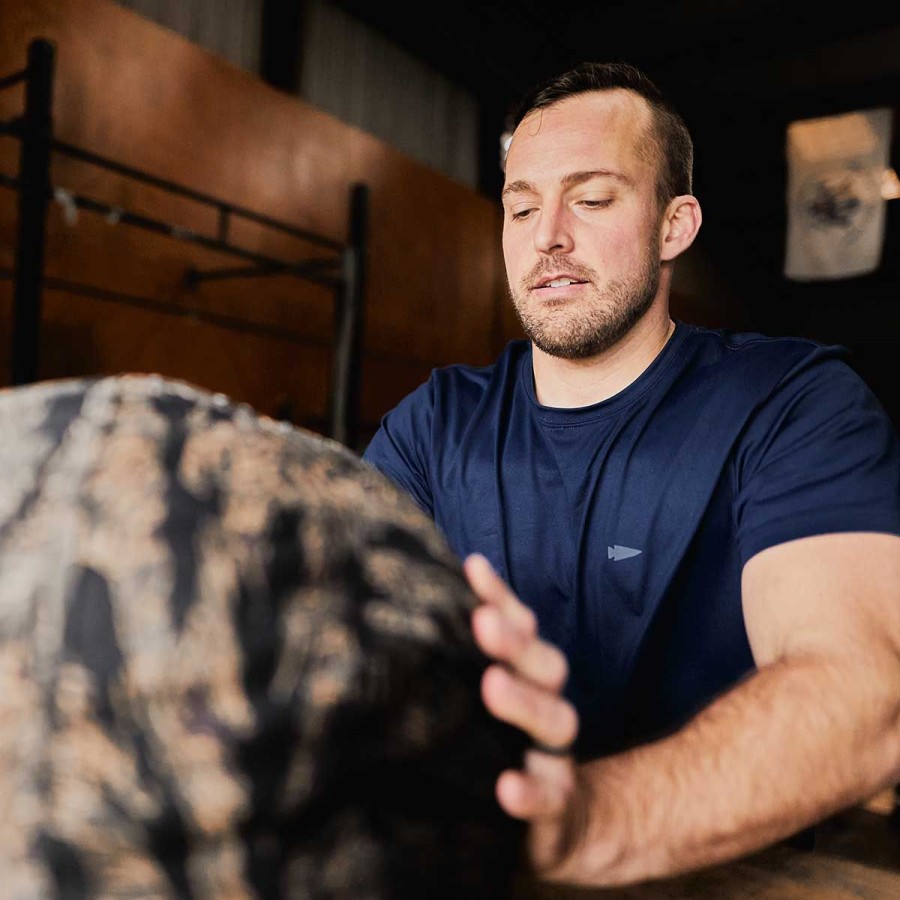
499	49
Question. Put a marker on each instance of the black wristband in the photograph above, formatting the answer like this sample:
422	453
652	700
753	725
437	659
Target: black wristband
551	751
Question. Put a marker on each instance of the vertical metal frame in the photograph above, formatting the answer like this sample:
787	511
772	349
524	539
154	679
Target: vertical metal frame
348	327
34	196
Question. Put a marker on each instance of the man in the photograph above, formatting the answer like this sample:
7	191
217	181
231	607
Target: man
235	662
706	524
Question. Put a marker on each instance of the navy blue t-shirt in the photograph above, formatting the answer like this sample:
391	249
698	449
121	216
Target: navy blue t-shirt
625	525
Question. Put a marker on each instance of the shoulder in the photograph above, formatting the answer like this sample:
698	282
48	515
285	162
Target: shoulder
473	381
790	379
769	369
750	348
461	387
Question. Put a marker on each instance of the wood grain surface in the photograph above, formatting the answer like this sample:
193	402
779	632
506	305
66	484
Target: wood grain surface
856	857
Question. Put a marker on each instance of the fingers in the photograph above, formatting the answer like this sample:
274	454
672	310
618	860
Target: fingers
544	715
542	791
546	795
549	795
525	690
506	629
493	590
532	658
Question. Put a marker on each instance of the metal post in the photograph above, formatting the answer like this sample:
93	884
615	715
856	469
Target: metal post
34	197
349	310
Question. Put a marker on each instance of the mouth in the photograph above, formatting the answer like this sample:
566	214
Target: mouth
555	282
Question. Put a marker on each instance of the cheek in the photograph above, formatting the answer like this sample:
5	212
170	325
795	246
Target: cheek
512	254
615	247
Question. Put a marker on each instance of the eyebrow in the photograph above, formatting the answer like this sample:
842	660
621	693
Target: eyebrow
569	180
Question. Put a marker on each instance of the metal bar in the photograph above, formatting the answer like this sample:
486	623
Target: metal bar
309	269
220	320
34	195
12	127
223	222
175	188
349	309
264	265
183	234
15	78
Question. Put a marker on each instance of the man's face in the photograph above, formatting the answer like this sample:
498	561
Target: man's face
581	222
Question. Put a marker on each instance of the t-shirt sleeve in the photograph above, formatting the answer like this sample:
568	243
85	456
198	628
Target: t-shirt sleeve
399	448
821	456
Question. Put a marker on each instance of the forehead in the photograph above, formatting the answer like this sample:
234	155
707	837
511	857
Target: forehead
593	131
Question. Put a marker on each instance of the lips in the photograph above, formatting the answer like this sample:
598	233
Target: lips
558	281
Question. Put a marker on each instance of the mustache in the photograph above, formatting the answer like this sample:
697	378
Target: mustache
545	267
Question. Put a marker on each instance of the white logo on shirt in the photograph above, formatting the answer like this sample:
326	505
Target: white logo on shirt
616	552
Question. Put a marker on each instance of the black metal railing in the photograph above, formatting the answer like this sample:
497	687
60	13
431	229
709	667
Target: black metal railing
342	269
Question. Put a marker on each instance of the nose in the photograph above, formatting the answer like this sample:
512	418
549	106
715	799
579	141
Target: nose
553	233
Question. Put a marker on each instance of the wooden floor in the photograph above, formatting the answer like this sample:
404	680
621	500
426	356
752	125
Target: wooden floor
854	856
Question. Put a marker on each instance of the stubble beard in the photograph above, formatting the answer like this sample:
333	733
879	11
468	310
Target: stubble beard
582	329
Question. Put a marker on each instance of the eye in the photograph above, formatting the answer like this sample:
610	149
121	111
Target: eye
519	214
596	204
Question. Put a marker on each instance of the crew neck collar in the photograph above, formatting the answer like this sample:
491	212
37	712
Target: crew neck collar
552	415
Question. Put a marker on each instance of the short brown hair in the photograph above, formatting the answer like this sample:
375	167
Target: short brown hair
674	147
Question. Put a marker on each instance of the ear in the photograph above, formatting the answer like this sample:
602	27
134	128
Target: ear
680	224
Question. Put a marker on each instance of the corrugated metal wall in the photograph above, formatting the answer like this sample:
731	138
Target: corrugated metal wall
349	71
231	28
352	72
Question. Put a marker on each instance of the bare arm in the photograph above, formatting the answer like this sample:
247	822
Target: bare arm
815	729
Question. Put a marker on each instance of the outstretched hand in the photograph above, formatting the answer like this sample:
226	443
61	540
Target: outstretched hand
524	688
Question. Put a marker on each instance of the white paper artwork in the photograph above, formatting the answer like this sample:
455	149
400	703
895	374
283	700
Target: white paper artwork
836	211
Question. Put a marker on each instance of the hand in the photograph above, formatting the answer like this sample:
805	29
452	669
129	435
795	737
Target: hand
524	689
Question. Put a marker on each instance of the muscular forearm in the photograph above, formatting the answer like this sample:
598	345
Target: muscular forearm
790	745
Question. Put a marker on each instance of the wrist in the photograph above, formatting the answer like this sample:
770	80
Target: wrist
592	845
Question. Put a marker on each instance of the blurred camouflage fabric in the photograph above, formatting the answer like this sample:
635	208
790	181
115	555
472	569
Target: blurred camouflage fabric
234	662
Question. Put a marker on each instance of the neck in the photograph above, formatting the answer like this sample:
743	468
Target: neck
571	383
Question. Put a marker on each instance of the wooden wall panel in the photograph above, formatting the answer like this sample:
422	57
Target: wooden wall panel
133	91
